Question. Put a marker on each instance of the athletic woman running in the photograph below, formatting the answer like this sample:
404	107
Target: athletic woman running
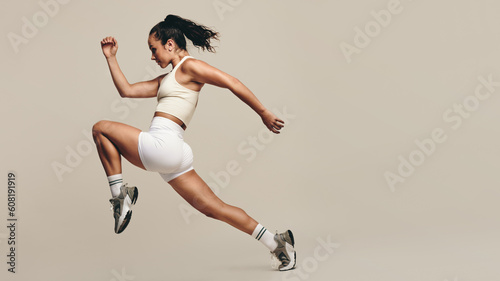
163	149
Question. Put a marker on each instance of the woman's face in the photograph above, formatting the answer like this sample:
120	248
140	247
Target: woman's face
159	52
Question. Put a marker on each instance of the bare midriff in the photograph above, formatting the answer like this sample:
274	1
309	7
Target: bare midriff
171	117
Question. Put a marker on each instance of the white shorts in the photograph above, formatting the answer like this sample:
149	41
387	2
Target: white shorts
163	149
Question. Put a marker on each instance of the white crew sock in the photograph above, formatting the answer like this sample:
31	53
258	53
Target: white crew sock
115	182
263	235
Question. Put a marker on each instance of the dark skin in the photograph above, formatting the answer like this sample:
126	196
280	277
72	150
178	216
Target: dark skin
114	139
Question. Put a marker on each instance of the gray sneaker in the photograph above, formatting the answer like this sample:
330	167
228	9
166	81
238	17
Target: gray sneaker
285	252
121	206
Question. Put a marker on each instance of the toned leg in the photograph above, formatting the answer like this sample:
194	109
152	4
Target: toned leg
194	190
197	193
114	139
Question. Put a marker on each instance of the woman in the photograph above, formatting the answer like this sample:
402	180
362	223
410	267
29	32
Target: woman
163	149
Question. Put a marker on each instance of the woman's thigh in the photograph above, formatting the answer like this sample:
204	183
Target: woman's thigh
124	137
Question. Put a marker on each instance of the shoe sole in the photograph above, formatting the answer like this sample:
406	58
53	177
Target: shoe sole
290	265
125	222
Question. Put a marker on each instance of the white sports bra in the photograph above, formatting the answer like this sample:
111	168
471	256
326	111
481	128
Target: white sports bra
175	99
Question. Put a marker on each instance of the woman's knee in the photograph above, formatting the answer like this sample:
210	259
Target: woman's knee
98	128
213	213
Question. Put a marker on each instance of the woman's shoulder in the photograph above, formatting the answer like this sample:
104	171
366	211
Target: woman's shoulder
191	62
193	65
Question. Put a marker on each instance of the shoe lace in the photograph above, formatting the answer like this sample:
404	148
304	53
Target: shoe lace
113	205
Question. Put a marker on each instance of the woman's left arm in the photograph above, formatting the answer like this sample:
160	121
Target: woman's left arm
202	72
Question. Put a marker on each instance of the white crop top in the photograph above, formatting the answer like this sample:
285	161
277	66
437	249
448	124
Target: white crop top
175	99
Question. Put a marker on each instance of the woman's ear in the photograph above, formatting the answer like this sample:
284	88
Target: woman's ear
168	45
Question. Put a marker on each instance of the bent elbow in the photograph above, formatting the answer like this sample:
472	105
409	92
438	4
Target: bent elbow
125	93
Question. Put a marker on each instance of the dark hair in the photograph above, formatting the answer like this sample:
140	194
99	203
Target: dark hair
175	28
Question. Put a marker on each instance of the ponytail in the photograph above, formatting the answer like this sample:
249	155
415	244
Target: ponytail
175	28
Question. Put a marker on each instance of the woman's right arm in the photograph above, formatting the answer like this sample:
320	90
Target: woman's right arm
145	89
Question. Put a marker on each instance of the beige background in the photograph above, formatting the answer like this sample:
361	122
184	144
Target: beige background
323	177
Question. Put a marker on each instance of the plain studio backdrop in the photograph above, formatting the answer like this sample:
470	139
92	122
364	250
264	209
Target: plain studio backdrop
386	169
